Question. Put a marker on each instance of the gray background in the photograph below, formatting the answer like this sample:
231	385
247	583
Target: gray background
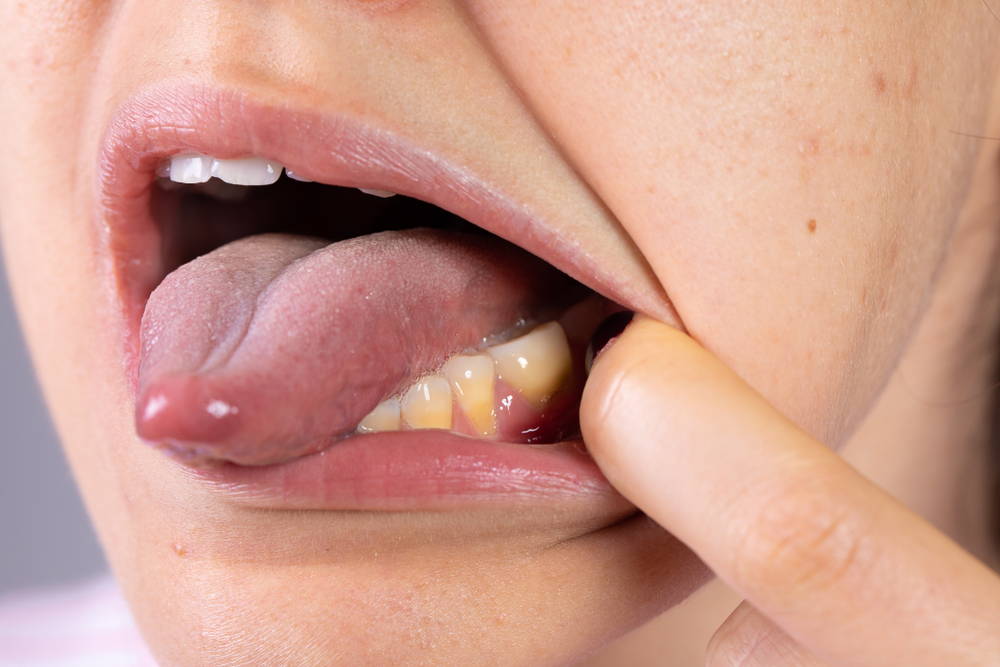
44	532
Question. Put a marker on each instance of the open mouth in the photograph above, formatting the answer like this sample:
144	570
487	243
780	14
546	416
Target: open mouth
335	315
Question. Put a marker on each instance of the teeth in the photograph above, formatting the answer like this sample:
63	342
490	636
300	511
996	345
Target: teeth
472	380
536	364
427	404
385	417
384	194
195	168
247	171
295	177
190	168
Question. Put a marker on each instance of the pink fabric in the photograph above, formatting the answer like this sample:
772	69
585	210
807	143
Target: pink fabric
85	625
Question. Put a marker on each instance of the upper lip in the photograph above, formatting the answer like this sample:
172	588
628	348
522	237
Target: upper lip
337	149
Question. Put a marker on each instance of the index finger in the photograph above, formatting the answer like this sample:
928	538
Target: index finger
835	561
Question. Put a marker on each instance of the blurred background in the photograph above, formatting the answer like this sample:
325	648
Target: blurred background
44	531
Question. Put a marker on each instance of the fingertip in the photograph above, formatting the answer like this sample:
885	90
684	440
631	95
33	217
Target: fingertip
629	380
654	408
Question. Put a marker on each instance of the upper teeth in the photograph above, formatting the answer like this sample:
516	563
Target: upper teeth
238	171
378	193
196	168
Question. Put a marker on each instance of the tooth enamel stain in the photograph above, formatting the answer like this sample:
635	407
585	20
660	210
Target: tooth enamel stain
428	404
384	194
385	417
247	171
536	364
472	382
190	168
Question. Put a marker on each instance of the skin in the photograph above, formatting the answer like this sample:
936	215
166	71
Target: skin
807	187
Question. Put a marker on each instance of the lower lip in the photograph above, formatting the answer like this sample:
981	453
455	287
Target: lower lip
414	470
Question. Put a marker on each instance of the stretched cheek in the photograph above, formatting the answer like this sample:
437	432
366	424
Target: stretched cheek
744	149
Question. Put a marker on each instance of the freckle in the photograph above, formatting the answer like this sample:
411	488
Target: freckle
180	549
811	225
878	80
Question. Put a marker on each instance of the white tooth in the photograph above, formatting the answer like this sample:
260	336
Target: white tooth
295	177
384	194
247	171
190	168
537	364
385	417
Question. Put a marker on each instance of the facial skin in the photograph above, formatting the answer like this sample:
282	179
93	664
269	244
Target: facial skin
800	179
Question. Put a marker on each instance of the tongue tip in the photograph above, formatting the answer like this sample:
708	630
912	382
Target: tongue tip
182	413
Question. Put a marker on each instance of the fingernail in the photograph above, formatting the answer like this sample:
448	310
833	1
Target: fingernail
606	334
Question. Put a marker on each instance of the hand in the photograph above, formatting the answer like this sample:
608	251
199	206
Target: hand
833	569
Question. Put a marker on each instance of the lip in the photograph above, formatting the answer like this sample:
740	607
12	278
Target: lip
395	471
398	471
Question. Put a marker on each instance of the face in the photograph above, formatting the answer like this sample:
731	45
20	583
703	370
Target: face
726	166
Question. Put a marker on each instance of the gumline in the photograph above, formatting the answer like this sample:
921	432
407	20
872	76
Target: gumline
521	327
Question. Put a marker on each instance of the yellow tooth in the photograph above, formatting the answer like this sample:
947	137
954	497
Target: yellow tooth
537	364
385	417
472	379
427	404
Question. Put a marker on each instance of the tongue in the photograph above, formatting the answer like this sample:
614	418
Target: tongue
275	346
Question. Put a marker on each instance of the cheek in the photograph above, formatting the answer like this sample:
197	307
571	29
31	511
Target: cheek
770	162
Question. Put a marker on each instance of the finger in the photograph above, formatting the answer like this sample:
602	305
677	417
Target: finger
749	639
831	559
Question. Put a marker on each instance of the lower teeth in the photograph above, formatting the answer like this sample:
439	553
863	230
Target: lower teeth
476	394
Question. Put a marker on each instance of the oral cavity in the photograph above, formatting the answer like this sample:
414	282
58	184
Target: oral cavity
501	393
261	347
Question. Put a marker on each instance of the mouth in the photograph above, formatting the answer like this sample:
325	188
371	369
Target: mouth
320	314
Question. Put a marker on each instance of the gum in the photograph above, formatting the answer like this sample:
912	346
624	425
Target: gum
519	420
